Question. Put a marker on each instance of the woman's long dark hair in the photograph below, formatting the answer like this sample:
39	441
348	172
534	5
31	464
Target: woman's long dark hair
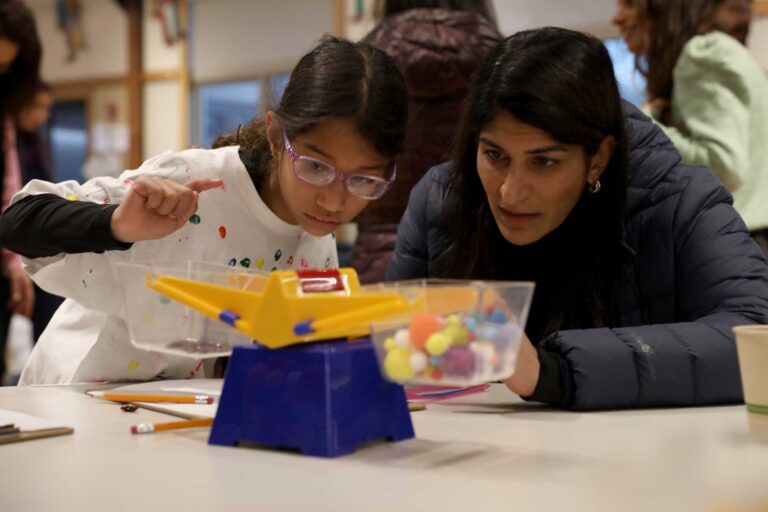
562	83
17	85
337	79
669	25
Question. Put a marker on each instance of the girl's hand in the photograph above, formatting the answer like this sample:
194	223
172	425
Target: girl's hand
523	382
156	207
22	293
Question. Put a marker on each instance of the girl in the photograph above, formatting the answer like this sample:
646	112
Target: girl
641	264
318	159
708	94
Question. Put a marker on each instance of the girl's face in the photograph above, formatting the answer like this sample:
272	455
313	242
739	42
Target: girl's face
627	19
8	52
320	210
532	181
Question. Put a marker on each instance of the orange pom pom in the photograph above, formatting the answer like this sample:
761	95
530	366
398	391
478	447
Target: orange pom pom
423	325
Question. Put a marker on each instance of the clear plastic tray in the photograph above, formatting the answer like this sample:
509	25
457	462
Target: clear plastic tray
466	333
158	323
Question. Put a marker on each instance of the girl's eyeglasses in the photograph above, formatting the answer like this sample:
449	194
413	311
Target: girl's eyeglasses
321	174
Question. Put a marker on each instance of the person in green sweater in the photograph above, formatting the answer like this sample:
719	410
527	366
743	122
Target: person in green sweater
708	93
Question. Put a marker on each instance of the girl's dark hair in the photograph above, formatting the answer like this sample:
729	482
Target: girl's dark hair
562	83
337	79
669	25
17	85
482	7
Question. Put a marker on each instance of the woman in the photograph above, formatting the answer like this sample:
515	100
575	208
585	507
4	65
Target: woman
19	66
708	94
437	44
641	264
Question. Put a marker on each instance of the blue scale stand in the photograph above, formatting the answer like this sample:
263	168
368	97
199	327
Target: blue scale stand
322	399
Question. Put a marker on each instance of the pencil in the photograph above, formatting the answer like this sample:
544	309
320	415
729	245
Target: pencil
148	428
178	399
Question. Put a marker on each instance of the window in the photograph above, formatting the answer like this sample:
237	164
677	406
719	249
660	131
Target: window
224	106
631	81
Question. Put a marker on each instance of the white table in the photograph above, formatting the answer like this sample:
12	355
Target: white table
477	453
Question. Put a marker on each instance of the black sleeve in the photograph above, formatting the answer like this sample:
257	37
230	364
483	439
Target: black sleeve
552	387
46	225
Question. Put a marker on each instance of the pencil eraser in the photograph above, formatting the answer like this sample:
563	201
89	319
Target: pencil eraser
134	430
210	399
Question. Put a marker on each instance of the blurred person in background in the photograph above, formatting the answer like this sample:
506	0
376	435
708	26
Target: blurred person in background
35	159
707	92
438	45
734	18
19	67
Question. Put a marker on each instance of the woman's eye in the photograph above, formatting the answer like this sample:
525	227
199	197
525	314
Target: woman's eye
494	155
544	162
316	166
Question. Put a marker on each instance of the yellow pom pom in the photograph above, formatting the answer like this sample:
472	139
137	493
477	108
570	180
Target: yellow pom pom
458	335
453	320
437	344
389	344
397	364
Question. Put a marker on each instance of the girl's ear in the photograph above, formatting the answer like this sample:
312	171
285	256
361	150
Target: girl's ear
601	159
273	133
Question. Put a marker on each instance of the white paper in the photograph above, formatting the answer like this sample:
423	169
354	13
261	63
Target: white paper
25	422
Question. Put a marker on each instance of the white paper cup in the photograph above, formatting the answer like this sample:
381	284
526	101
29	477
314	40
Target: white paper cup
752	346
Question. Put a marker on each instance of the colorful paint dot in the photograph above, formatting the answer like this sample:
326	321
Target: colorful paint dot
195	219
278	254
260	263
304	263
245	262
274	268
128	182
164	300
73	197
290	260
327	262
134	365
222	232
232	262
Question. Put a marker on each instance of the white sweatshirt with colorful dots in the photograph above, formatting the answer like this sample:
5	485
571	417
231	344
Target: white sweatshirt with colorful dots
87	339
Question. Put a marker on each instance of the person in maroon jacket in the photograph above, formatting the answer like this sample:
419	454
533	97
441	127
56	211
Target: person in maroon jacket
438	45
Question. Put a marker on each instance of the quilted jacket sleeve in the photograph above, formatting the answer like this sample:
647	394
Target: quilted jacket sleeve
721	280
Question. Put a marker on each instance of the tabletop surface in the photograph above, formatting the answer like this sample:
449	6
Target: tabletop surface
488	451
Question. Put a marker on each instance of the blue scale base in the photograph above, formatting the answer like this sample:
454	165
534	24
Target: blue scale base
322	399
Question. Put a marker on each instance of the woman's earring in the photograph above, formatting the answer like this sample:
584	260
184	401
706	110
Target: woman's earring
595	187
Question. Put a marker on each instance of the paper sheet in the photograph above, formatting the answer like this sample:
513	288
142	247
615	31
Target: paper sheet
25	422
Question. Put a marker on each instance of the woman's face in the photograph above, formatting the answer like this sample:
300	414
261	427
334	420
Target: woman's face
627	19
8	52
532	181
321	210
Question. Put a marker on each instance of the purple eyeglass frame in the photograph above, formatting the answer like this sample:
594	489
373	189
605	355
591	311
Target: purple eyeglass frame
293	155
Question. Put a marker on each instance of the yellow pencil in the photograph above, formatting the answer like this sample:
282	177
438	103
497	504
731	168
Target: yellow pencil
177	399
148	428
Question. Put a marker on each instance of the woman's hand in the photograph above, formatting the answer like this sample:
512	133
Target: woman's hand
22	293
156	207
523	382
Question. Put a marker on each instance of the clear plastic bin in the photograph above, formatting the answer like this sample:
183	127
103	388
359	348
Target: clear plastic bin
466	332
160	324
